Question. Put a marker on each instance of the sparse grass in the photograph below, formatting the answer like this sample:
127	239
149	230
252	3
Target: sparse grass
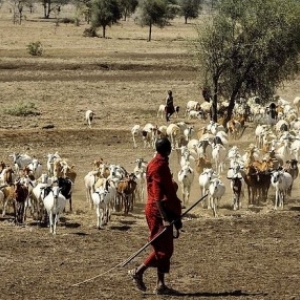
22	110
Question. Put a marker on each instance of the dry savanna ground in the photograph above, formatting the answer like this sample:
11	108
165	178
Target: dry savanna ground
249	254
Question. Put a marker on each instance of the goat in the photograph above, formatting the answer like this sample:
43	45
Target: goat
101	203
54	204
21	194
204	180
21	160
125	189
282	181
185	179
236	185
216	191
89	115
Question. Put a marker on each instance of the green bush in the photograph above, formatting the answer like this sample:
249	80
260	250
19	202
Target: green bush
35	48
22	109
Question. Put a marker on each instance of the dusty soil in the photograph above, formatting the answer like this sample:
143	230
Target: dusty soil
249	254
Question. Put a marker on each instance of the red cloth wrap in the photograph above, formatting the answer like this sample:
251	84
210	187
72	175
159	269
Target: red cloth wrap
160	186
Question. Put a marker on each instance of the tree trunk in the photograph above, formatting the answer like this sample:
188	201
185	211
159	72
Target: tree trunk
185	20
125	14
45	10
103	31
214	108
150	32
230	107
48	10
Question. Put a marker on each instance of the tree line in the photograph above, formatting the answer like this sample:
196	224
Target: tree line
105	13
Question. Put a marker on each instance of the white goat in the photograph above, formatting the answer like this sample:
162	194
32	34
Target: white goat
204	180
140	178
216	191
21	160
89	115
186	178
135	131
50	160
281	181
36	168
89	182
54	204
219	156
101	203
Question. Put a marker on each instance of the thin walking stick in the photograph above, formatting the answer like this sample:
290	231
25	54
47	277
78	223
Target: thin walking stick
129	259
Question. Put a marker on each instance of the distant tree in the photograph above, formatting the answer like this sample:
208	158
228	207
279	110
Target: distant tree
128	7
173	9
17	10
155	13
105	13
84	8
249	46
189	9
52	5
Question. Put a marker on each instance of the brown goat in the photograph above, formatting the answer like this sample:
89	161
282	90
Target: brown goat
201	163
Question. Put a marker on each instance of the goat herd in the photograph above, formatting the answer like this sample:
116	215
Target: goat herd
272	160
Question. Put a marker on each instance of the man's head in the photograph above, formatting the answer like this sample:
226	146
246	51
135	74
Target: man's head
163	146
170	92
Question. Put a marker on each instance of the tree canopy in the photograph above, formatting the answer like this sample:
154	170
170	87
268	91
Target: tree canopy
189	9
128	7
156	13
249	46
105	13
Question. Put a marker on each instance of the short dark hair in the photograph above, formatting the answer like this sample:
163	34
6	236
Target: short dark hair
163	145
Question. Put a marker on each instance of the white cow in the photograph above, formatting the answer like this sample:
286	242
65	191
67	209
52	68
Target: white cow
135	131
54	204
186	178
281	181
216	191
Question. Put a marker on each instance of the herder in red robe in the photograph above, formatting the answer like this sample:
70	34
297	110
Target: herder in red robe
163	207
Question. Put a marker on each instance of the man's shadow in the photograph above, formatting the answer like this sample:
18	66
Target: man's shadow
237	293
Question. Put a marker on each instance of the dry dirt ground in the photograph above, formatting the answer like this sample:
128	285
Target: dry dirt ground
249	254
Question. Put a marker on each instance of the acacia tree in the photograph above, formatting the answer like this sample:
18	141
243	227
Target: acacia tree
189	9
105	13
128	7
250	46
155	13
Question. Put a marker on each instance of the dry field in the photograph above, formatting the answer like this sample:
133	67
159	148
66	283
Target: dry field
249	254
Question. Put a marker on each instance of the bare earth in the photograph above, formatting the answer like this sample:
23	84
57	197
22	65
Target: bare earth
249	254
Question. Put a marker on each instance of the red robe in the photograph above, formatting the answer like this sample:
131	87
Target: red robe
160	186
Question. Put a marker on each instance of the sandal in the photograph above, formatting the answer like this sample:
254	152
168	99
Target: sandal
164	290
138	280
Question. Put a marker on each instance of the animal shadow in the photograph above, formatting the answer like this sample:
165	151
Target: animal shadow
295	208
80	233
71	225
127	222
120	228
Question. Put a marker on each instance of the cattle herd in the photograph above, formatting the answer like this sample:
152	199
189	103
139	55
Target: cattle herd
206	157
